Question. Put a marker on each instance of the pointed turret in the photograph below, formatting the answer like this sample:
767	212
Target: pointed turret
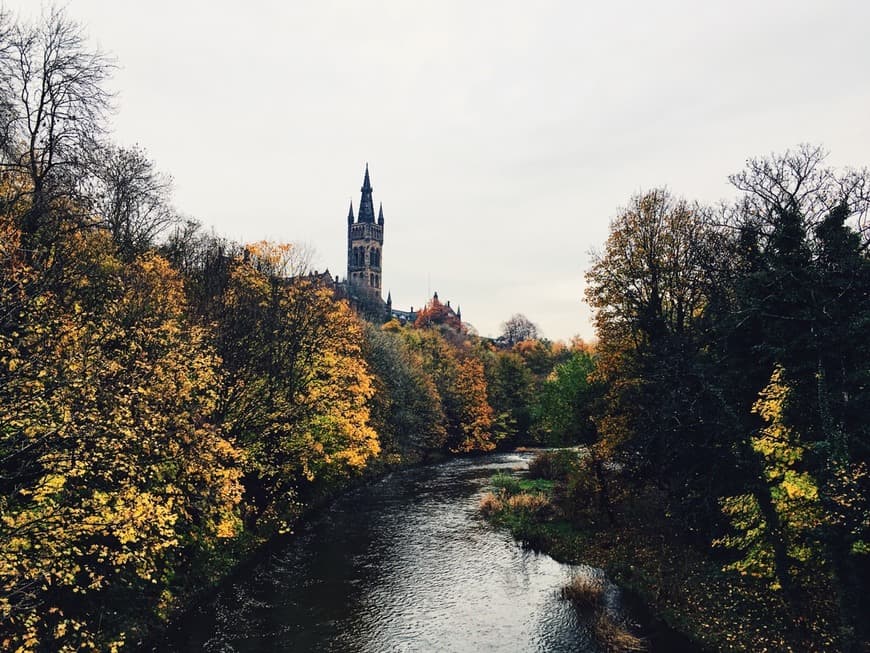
365	242
388	314
381	214
459	312
366	206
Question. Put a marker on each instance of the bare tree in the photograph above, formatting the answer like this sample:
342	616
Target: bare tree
131	198
518	328
56	113
6	87
799	182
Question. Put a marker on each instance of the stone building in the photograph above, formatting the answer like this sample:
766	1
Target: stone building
365	243
365	246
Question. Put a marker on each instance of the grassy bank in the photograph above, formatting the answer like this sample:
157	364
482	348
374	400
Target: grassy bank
690	603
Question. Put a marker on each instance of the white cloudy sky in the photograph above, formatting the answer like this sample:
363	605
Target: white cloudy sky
502	136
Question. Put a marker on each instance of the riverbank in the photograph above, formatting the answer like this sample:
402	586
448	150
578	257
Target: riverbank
685	601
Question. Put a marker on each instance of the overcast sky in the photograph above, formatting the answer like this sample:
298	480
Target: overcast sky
502	136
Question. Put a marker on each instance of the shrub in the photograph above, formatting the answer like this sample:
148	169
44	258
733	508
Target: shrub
586	590
553	465
490	504
614	637
536	505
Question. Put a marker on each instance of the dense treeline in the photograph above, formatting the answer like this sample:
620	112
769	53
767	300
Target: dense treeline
725	411
169	399
733	362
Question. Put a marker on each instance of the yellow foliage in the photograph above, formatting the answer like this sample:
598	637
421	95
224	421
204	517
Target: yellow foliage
299	389
107	417
794	493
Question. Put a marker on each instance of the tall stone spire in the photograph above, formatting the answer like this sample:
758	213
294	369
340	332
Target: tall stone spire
381	214
365	242
366	205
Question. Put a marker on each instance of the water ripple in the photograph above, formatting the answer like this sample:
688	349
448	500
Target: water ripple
405	564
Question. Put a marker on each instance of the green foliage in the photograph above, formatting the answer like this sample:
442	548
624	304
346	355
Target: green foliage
565	404
510	389
511	484
507	482
406	407
536	486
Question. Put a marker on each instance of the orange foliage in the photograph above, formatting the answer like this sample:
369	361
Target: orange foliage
436	313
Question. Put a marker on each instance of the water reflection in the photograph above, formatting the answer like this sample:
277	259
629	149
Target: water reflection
406	564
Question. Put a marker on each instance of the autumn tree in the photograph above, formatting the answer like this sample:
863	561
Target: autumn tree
297	388
662	410
437	314
114	472
205	260
540	356
461	384
474	418
406	408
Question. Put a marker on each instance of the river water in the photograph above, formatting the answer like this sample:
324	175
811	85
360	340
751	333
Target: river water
404	564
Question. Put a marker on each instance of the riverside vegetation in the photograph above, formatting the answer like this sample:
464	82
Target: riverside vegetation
724	478
170	400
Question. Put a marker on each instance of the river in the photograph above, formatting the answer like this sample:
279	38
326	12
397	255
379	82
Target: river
403	564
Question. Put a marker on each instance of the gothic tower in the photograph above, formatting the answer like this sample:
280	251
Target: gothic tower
365	242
